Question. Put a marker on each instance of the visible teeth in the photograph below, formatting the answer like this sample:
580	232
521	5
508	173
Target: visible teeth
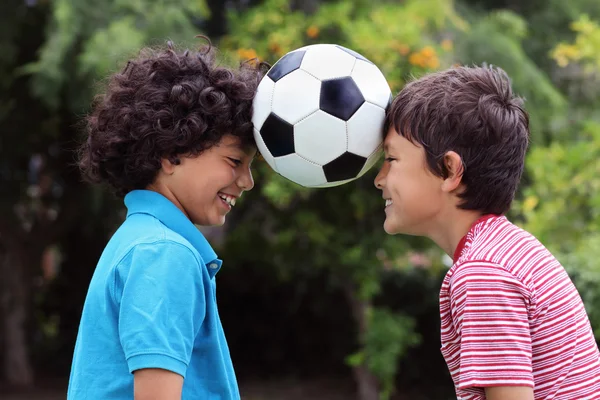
389	202
228	199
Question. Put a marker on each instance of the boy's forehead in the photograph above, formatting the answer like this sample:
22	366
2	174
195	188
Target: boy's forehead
388	142
249	149
235	143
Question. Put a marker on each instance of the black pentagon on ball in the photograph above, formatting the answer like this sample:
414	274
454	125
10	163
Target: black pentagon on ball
354	53
278	136
288	63
340	97
346	166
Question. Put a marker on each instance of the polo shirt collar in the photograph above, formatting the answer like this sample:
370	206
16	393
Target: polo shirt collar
157	205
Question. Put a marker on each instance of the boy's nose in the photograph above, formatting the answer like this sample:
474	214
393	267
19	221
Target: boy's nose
380	179
246	181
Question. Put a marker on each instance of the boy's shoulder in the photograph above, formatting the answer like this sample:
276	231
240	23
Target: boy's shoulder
503	246
145	230
495	239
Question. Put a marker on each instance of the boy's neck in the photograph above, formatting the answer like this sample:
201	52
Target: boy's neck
452	227
159	187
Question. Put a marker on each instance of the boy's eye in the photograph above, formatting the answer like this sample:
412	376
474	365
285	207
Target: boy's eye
235	161
389	159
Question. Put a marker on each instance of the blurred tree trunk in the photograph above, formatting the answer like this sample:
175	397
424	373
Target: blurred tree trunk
16	306
18	371
216	26
307	6
20	266
367	383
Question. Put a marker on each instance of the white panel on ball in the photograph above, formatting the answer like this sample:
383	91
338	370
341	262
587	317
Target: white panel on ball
262	102
333	184
320	138
263	150
369	118
372	83
288	104
299	170
327	61
371	161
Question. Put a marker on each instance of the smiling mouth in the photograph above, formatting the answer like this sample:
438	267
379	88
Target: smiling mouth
227	199
389	202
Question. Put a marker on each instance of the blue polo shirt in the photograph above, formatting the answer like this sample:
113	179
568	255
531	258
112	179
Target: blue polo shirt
151	304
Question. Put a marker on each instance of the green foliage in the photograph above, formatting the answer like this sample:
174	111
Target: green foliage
388	338
582	265
497	38
562	205
340	230
88	40
93	60
561	208
549	22
585	49
386	33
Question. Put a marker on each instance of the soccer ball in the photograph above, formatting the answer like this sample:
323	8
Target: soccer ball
319	113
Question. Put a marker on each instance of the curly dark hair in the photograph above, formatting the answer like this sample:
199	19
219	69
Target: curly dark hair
164	104
474	112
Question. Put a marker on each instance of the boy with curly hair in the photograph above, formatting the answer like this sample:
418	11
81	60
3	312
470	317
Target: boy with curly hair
513	326
173	135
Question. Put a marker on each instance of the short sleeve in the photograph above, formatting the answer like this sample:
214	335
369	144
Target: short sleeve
490	314
161	305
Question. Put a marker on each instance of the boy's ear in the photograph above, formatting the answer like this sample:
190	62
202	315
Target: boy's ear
168	165
455	167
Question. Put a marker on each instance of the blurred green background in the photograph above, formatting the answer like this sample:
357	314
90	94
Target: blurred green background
317	301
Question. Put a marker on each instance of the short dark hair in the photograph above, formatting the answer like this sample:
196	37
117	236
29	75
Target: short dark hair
163	104
472	111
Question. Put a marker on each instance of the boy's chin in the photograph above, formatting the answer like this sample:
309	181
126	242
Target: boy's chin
212	222
218	222
390	227
394	227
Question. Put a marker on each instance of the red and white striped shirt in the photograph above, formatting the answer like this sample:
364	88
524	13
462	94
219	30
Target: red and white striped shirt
511	316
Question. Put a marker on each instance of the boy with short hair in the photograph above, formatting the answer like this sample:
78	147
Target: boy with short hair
513	326
173	135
